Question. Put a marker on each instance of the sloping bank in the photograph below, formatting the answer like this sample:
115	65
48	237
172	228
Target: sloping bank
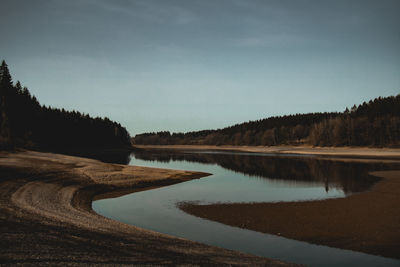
46	216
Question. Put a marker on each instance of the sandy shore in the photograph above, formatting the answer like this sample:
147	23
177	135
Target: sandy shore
46	216
361	152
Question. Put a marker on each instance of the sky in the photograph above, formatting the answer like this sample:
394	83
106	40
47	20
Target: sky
185	65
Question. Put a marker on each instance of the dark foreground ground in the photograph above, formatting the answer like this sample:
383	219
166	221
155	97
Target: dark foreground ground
46	217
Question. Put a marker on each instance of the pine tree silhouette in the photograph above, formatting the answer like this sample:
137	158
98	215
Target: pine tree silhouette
24	122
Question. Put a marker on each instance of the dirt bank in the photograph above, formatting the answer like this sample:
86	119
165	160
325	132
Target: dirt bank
360	152
367	222
46	216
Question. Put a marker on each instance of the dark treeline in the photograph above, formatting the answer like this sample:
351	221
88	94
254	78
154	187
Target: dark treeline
348	176
25	123
376	123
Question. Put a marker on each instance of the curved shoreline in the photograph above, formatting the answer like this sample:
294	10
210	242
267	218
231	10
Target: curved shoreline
368	222
47	218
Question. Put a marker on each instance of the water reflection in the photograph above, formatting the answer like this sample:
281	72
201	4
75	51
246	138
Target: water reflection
241	177
349	177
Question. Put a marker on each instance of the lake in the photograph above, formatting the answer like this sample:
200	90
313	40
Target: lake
245	177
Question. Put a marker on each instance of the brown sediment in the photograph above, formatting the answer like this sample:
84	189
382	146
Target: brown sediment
367	222
360	152
46	216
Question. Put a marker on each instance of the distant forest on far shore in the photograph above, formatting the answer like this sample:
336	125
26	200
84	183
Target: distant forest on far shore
376	123
26	123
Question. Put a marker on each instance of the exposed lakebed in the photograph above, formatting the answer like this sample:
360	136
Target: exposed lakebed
245	177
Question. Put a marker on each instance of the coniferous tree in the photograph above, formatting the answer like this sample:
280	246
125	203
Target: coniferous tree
5	75
5	87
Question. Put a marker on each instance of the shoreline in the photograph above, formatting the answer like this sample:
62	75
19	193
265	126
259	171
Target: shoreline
342	152
47	218
367	222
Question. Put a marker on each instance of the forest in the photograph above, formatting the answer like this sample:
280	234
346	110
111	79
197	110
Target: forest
376	124
25	123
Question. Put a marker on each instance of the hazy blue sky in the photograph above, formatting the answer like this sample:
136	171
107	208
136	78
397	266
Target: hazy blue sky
196	64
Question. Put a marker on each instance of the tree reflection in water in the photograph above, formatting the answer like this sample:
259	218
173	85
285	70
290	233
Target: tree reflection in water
349	176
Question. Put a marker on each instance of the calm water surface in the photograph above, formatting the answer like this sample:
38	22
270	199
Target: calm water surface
245	177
